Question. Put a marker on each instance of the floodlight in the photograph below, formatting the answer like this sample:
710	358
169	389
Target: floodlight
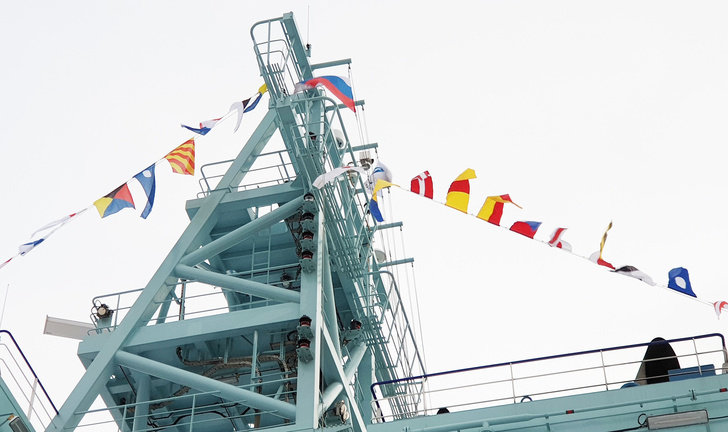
18	425
67	328
687	418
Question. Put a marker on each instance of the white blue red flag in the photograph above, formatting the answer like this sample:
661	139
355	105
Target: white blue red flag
338	85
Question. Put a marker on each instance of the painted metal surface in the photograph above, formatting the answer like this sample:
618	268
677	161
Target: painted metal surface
178	359
271	312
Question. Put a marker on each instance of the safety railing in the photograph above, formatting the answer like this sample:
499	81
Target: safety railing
186	412
276	57
272	168
392	340
544	377
187	300
23	383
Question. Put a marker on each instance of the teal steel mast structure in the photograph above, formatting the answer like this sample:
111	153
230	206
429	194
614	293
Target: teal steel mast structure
310	319
274	311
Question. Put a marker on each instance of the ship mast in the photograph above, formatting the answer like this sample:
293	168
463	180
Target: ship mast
270	310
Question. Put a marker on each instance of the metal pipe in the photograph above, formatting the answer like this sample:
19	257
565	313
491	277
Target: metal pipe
380	227
201	383
142	407
364	147
330	64
329	303
254	359
240	285
332	391
397	262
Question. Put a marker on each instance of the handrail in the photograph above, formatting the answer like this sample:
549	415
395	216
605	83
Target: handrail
698	352
280	164
535	359
194	304
27	363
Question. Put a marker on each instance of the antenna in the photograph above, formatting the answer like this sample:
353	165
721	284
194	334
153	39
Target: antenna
5	301
308	30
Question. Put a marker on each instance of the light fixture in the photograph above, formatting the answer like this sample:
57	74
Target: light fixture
308	264
67	328
286	280
339	138
303	350
342	411
687	418
309	197
104	311
304	331
18	425
307	219
365	159
337	415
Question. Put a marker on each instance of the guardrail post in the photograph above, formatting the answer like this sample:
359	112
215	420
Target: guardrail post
141	411
183	293
192	411
513	382
604	370
32	397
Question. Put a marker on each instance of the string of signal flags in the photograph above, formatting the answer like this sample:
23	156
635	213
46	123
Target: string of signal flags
458	198
181	159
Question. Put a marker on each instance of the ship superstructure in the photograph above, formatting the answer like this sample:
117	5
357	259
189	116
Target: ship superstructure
275	311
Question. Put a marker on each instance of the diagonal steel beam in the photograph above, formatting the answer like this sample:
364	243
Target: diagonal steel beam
244	286
159	286
205	384
239	234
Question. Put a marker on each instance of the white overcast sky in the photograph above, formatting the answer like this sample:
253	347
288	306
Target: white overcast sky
584	112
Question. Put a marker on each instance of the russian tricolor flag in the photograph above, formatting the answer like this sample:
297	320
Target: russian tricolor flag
339	86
